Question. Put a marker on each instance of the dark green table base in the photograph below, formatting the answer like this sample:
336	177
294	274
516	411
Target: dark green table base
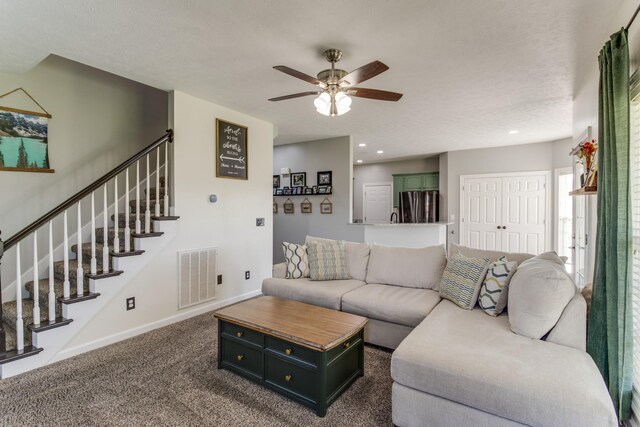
313	378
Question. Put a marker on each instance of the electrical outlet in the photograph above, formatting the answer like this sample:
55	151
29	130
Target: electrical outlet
247	275
259	222
219	279
131	303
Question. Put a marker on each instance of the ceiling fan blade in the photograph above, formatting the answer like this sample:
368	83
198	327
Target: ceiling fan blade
300	75
294	95
381	95
364	73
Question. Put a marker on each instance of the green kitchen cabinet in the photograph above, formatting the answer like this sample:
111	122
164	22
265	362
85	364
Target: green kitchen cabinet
414	182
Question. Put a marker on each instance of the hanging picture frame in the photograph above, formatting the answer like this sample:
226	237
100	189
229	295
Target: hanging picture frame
24	138
232	150
288	207
326	207
305	206
298	179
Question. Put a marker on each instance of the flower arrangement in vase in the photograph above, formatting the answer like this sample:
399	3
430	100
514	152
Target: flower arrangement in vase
587	156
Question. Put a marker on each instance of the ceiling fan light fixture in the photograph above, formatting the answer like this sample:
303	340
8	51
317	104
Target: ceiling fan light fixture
323	103
343	103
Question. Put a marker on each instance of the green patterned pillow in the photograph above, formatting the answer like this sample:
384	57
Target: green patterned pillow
462	278
327	260
494	289
297	260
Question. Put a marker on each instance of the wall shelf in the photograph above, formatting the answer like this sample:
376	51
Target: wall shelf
584	191
302	195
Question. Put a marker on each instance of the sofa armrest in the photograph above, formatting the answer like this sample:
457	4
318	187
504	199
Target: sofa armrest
279	271
571	329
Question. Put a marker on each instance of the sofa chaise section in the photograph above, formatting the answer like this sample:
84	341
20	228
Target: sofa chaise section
474	365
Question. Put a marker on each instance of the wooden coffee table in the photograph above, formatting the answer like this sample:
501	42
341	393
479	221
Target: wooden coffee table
309	354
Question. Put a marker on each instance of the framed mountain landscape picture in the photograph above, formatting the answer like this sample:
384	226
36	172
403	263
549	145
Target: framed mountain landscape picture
24	144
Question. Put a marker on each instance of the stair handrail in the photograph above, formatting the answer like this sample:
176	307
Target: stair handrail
35	225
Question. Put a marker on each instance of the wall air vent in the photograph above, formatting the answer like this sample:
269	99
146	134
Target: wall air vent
197	276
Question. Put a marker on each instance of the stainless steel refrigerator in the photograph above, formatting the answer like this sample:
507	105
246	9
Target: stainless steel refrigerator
419	206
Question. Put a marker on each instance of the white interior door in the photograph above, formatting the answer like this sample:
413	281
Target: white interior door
481	213
377	202
524	207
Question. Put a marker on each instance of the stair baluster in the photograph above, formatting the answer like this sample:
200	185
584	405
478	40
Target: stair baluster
166	178
52	292
105	239
116	239
94	261
19	320
138	225
3	339
127	230
147	213
66	289
36	290
80	270
157	204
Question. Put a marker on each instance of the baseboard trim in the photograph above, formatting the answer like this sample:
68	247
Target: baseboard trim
120	336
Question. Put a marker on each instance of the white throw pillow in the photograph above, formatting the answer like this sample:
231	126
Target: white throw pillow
538	294
408	267
296	259
495	287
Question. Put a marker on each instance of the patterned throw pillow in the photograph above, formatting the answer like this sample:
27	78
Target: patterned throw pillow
494	289
462	278
297	260
327	260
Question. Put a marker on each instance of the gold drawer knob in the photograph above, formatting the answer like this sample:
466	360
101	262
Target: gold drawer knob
346	345
239	334
288	378
240	357
289	351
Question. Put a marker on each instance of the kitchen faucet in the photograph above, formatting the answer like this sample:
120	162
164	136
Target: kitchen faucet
391	219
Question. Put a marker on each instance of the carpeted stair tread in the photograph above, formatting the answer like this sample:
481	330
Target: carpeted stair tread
152	193
86	250
143	207
58	268
132	221
58	289
10	310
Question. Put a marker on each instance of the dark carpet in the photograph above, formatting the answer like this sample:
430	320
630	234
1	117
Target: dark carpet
168	377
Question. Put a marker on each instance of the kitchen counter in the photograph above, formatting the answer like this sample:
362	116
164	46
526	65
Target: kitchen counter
415	235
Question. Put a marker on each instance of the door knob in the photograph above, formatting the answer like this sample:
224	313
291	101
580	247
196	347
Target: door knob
498	227
504	227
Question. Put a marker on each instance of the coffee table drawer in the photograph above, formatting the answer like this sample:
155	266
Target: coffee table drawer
344	346
292	351
242	333
292	378
243	357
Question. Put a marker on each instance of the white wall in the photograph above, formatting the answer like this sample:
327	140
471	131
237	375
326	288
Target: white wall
333	154
543	156
228	225
383	172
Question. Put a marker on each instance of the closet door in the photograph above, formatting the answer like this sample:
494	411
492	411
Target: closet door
524	208
481	213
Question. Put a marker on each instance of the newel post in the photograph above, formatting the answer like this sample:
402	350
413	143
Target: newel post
3	342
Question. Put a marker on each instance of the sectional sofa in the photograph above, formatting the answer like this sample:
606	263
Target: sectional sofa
456	367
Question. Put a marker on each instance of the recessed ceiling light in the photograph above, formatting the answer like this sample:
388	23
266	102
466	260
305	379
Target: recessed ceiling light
513	132
362	145
358	161
379	151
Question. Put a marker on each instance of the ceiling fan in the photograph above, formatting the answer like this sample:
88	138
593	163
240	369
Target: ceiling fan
337	86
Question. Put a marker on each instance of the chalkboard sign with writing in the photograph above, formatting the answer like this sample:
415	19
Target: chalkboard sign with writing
231	150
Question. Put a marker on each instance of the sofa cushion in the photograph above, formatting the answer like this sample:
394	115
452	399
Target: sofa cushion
408	267
483	253
396	304
297	261
323	293
495	287
327	260
475	360
357	256
462	279
538	293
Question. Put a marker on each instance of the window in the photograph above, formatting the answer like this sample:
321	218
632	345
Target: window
635	197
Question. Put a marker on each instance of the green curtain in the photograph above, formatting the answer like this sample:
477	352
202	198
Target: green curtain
610	337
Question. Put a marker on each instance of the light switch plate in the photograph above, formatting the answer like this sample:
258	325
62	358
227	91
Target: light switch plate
259	222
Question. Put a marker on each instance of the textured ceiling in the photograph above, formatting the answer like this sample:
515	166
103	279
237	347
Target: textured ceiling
470	71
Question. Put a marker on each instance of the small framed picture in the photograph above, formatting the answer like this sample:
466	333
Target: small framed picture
324	178
328	189
315	189
279	192
276	181
286	190
326	207
298	190
299	179
305	206
308	190
275	191
322	190
275	208
288	207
